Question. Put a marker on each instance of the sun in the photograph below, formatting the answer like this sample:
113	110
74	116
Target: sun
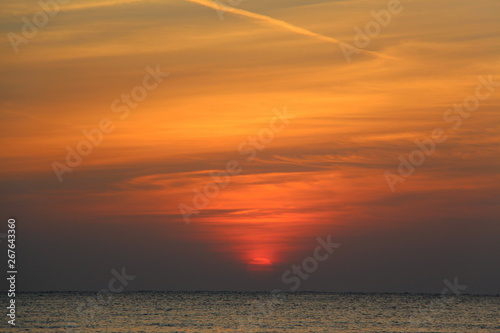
261	261
260	264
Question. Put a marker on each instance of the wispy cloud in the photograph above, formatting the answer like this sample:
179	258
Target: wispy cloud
281	24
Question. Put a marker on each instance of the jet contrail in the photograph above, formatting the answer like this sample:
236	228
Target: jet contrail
279	23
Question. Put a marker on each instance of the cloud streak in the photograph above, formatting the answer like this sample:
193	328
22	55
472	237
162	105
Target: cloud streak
281	24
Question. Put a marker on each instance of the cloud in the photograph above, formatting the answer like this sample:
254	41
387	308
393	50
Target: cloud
279	23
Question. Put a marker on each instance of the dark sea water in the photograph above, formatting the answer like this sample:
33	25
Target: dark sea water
252	312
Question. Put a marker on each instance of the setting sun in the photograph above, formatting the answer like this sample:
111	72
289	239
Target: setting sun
260	264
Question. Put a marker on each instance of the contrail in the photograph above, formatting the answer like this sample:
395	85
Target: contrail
279	23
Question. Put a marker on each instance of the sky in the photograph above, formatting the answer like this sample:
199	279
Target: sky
369	124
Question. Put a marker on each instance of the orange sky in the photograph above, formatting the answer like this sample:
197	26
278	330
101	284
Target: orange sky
322	173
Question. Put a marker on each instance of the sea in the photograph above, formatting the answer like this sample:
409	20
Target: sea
251	312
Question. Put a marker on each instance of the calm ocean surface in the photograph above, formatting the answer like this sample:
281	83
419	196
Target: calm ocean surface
252	312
